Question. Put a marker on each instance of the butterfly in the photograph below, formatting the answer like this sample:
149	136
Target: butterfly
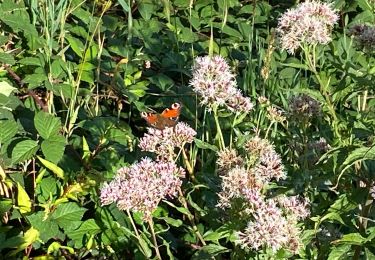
168	118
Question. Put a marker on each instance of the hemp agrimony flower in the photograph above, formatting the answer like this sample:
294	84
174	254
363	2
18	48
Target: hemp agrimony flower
164	142
216	85
141	186
311	22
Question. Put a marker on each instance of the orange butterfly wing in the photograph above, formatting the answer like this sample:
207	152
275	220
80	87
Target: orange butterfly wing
173	112
168	118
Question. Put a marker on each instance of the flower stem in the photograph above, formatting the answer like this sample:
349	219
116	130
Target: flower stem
151	224
190	217
136	232
218	129
188	165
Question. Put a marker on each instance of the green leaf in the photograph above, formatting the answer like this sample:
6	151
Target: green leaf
352	239
52	167
46	124
146	8
48	229
35	80
6	89
53	148
67	213
46	188
6	58
33	61
77	46
204	145
87	229
30	236
24	150
357	155
23	199
8	129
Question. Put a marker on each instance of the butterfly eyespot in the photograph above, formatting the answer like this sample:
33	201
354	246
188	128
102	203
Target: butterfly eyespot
144	114
175	106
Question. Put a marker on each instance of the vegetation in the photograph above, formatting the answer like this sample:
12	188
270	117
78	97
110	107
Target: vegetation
272	157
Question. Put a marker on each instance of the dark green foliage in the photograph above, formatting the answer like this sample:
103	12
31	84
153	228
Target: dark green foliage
76	75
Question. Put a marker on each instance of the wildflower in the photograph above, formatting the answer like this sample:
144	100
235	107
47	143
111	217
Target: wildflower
295	206
303	106
142	186
164	142
270	167
310	22
320	146
258	146
238	183
269	228
216	85
365	35
275	114
263	100
227	159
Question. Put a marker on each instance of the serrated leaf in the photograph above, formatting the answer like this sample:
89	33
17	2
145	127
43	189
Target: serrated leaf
8	129
7	58
88	229
53	148
46	124
23	199
68	213
6	89
52	167
24	150
30	61
47	228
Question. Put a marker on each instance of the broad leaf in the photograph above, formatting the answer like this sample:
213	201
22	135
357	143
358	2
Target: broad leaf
47	125
24	150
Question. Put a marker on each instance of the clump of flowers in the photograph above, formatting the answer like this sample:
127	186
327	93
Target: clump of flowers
164	142
216	85
227	159
365	35
272	222
303	106
311	22
142	186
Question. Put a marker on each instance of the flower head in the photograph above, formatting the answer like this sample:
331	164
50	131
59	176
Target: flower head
216	85
294	205
365	35
238	183
227	159
310	22
303	106
142	186
270	228
164	142
270	167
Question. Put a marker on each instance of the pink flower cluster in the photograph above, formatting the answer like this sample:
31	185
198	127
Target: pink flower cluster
273	221
142	186
164	142
216	85
310	22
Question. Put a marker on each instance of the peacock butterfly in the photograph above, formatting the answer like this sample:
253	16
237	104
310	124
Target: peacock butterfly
168	118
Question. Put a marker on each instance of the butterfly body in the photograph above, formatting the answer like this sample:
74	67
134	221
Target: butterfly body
168	118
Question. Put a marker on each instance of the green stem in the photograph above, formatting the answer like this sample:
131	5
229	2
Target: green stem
136	233
218	129
151	224
190	217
